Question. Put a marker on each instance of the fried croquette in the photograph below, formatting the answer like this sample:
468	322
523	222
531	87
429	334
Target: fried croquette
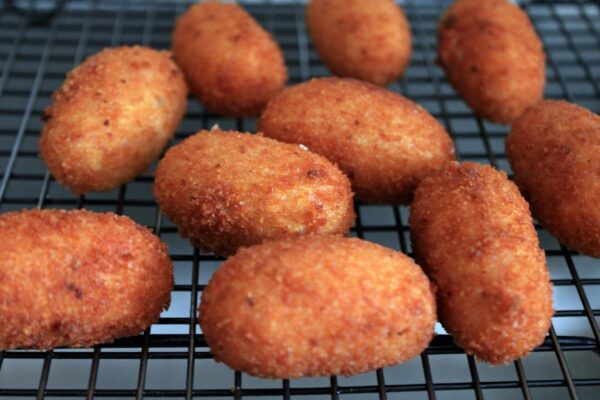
493	57
473	234
554	152
112	117
231	63
362	39
224	190
317	306
78	278
384	142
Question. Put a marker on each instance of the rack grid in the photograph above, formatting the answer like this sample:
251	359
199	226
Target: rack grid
41	40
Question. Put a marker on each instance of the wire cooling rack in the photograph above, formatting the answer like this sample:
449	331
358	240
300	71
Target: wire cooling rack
40	41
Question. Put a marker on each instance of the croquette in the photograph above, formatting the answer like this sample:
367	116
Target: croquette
317	306
112	117
384	142
493	57
362	39
226	189
473	235
78	278
554	152
231	63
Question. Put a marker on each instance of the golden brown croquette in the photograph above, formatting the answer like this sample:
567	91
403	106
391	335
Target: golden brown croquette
554	152
317	306
368	40
384	142
112	117
232	64
493	57
473	234
229	189
78	278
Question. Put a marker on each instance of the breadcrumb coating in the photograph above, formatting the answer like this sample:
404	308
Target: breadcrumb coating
362	39
493	57
384	142
78	278
554	152
317	306
473	234
226	189
232	64
112	117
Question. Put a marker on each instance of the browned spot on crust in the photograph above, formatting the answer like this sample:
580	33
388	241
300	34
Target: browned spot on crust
77	291
448	21
315	173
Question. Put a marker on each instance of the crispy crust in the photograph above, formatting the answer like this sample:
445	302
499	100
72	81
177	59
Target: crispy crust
228	189
554	151
384	142
77	278
232	64
317	306
473	234
112	116
493	57
361	39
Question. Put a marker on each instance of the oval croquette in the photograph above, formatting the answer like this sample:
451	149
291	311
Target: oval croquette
384	142
316	306
232	64
554	152
473	234
493	57
361	39
228	189
78	278
112	117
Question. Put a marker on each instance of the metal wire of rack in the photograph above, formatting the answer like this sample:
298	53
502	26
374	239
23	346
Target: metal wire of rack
171	358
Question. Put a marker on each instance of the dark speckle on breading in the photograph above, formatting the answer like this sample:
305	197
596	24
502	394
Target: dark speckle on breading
77	291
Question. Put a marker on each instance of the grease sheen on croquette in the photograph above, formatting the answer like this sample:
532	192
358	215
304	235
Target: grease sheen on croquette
362	39
554	152
78	278
384	142
473	234
232	64
317	306
229	189
112	117
493	57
